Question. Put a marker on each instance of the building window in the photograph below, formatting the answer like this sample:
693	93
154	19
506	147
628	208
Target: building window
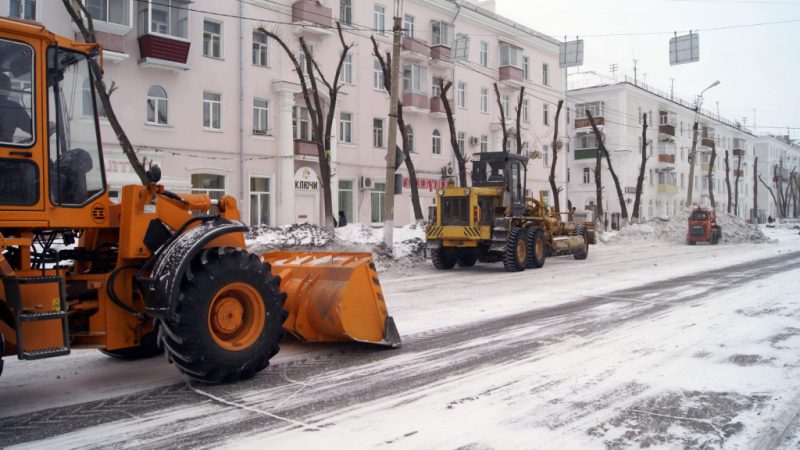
415	79
442	34
462	137
212	110
379	19
484	100
506	101
595	108
167	17
347	197
461	95
90	101
545	75
110	11
525	111
377	133
206	183
302	123
260	53
346	127
546	155
346	12
408	25
410	139
510	55
437	143
484	54
212	39
376	198
484	143
260	117
526	68
546	114
585	141
587	175
22	9
436	89
347	69
157	106
259	201
377	76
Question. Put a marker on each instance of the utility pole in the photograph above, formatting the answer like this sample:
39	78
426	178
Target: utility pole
671	88
635	79
391	149
693	154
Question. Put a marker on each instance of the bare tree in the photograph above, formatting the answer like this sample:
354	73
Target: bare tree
771	193
755	190
451	123
728	181
598	184
386	63
788	193
556	190
502	117
604	152
642	167
321	123
711	175
737	174
519	119
104	93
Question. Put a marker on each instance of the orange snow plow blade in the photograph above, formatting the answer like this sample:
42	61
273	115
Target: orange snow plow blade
333	297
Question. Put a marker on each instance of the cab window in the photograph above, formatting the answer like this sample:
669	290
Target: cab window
16	98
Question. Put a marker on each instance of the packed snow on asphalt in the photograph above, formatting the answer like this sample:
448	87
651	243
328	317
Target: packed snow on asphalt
647	343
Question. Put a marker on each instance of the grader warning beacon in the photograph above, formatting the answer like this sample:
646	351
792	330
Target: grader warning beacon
494	221
155	271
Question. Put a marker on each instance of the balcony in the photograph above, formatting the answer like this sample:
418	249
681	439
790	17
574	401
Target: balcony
308	12
586	153
163	52
441	54
707	142
305	148
667	130
670	159
437	107
704	167
666	123
667	189
417	102
738	173
583	122
511	74
738	152
415	50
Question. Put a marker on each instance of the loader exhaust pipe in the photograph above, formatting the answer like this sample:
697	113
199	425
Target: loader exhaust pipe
333	297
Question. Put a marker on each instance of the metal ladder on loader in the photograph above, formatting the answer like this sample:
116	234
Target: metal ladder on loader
42	329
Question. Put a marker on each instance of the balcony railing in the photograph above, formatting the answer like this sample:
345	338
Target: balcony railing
308	11
511	73
738	152
416	47
583	122
707	142
666	159
586	153
305	148
441	53
667	189
738	173
163	48
416	101
667	129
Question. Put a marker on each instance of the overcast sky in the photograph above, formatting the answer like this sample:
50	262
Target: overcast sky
758	66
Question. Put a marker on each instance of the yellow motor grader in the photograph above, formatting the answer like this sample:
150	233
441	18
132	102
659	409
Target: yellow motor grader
494	221
156	271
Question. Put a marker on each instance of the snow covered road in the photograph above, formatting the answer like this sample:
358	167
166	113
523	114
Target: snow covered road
642	344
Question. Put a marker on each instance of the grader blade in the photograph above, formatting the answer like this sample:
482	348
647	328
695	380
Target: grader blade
333	297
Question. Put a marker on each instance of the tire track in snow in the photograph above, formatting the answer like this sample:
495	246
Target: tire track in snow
354	377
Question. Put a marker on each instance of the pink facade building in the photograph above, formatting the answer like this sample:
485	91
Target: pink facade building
207	96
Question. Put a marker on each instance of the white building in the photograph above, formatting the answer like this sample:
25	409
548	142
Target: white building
619	109
777	158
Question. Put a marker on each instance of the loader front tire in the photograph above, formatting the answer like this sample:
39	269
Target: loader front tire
443	258
536	250
467	257
228	320
580	230
516	255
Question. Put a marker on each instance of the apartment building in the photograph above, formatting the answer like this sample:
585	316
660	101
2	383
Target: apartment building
777	157
205	94
620	109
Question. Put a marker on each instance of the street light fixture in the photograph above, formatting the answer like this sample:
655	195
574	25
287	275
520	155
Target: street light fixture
694	144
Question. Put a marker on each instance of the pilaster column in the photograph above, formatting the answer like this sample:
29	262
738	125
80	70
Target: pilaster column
285	185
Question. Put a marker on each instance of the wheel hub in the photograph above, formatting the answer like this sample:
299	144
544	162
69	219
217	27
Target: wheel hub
236	317
227	315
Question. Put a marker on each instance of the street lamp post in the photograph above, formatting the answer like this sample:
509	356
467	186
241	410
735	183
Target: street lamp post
692	155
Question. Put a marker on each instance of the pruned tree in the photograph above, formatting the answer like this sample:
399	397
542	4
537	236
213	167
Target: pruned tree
321	123
103	92
461	159
737	174
386	64
787	194
642	167
519	119
755	190
771	193
502	117
556	190
598	184
711	174
728	180
602	151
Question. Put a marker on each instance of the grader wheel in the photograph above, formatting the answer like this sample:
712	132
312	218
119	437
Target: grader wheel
228	320
443	258
516	255
580	230
536	252
467	257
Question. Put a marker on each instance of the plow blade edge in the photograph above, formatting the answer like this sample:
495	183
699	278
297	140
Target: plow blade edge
333	297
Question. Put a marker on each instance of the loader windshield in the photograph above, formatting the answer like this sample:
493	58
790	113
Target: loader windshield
16	99
76	174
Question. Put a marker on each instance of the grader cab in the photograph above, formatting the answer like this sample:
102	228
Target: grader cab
156	271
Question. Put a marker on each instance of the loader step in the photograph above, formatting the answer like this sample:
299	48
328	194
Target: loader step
46	315
44	353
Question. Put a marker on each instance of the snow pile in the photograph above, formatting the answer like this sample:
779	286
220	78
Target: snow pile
673	230
409	241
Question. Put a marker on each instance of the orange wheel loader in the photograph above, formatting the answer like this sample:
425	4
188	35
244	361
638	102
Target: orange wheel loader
156	271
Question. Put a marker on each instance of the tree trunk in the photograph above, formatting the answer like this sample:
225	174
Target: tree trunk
604	152
736	187
642	167
502	117
787	194
711	175
401	125
88	34
519	119
554	146
728	180
755	190
771	193
451	123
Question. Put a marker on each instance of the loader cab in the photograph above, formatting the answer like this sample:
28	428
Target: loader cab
504	170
